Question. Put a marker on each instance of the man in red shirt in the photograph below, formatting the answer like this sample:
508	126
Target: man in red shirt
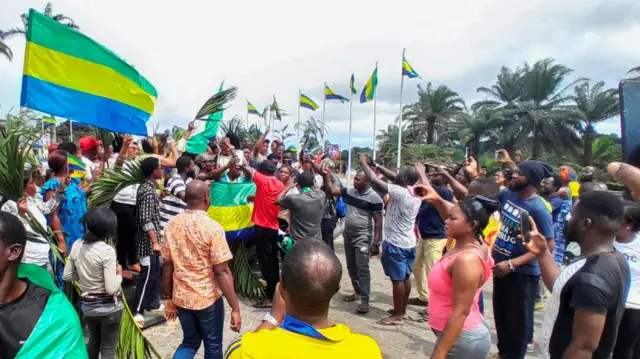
265	219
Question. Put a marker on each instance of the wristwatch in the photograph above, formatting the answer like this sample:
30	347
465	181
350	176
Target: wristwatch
167	297
270	319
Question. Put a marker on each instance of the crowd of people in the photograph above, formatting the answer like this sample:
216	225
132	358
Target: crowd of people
453	227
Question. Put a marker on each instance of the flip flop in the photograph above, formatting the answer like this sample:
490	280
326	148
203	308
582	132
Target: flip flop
388	321
362	308
350	298
262	305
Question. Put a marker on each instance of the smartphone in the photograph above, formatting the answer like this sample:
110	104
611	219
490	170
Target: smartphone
466	152
525	225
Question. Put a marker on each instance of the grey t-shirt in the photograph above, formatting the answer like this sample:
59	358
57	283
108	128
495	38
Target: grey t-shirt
306	213
361	207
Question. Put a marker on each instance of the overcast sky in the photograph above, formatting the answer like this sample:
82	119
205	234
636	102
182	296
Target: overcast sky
185	48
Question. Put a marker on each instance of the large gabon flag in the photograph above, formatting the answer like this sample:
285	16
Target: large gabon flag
67	74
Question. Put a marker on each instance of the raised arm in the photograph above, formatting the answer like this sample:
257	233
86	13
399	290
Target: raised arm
376	183
329	188
126	142
458	189
260	143
387	173
248	171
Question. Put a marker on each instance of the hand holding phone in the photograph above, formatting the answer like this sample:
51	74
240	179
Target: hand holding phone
525	225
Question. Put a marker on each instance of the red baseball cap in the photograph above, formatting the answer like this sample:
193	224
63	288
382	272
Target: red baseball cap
88	143
52	147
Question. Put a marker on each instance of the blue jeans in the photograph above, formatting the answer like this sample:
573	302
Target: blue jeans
198	326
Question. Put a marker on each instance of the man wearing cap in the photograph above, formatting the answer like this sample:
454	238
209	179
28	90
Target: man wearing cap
516	273
265	218
89	147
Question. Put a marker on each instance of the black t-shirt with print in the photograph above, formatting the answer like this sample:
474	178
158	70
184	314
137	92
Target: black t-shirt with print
19	317
601	287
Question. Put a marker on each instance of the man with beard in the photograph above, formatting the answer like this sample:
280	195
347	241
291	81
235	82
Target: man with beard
173	203
588	174
588	297
516	273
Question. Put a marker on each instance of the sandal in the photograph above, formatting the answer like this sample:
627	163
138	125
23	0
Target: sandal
390	321
363	308
350	298
262	305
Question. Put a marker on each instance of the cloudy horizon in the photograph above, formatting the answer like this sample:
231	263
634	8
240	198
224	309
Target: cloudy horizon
277	48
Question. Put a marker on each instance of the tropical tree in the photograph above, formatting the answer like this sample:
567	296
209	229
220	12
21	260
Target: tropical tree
472	127
48	12
435	107
282	133
311	132
605	150
4	48
387	143
594	104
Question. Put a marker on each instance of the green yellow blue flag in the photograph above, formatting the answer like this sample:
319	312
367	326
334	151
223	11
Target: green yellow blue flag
276	109
329	94
48	121
70	75
307	102
198	143
407	70
252	110
352	85
369	90
230	208
79	168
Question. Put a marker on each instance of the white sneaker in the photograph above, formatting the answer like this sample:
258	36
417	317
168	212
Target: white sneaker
139	320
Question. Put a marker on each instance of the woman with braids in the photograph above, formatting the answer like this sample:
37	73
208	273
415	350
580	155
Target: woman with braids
455	282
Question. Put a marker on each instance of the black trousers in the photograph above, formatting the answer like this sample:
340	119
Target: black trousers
266	241
148	286
628	341
103	335
125	242
327	226
513	306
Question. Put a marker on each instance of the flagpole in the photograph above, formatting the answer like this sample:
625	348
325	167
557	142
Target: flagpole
298	125
375	97
324	104
400	115
349	155
70	131
54	130
246	119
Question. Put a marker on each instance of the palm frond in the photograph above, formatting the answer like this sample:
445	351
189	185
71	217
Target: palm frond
105	136
635	69
16	141
246	283
216	102
6	51
132	344
112	181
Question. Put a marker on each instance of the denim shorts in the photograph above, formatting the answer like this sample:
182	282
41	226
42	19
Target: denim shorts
472	343
396	261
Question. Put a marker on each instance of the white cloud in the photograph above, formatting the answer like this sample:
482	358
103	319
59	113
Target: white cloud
186	48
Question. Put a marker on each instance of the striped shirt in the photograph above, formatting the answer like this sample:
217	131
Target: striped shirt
172	205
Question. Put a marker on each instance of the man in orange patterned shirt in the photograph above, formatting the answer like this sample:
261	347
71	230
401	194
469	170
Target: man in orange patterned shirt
196	275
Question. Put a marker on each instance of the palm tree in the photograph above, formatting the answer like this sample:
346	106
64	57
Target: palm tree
387	143
48	12
594	104
434	108
4	48
471	127
505	92
282	134
311	132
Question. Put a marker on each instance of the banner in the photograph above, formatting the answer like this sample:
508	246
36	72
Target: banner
333	151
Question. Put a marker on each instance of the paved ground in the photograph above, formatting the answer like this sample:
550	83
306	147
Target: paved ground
412	340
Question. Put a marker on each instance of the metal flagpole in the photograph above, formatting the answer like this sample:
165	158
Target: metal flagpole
70	131
298	125
400	115
349	155
324	104
246	119
375	97
54	130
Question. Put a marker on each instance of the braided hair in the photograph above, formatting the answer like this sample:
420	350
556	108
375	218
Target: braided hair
479	209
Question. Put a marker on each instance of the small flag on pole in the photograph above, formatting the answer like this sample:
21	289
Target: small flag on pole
48	121
407	70
329	94
78	167
307	102
70	75
369	90
252	109
276	109
352	85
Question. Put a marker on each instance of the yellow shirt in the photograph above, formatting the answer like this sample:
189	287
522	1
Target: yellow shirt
338	343
575	188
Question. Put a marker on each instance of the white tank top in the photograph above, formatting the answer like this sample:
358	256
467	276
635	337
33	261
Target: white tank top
631	252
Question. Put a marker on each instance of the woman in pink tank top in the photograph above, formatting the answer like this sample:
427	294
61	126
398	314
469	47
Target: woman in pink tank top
455	283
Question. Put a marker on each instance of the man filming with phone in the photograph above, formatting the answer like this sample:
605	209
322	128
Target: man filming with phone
516	273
